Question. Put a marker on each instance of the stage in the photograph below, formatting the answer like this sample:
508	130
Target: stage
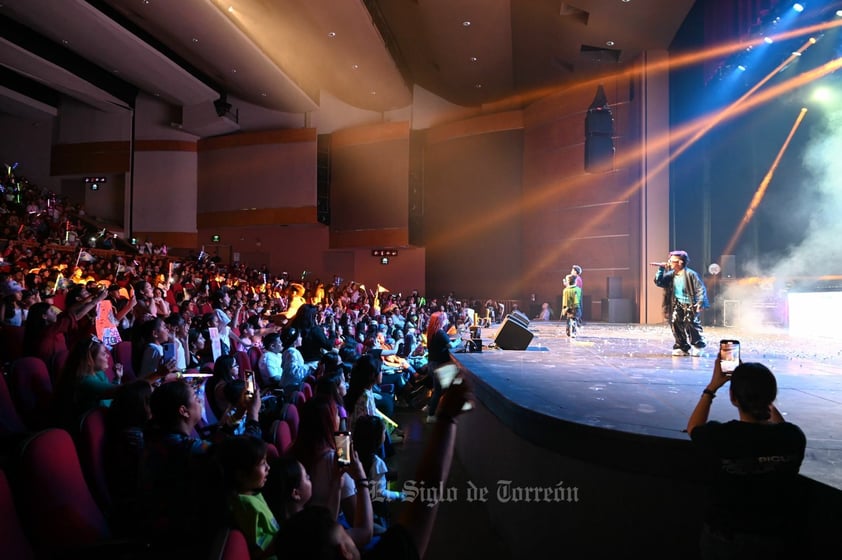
621	381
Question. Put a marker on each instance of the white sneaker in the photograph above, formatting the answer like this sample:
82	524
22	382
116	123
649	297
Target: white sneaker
696	351
679	352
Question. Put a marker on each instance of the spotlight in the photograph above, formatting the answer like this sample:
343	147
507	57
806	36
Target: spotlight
768	40
798	7
741	68
838	13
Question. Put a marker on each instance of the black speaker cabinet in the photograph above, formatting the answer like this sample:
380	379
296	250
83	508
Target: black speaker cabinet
513	334
614	287
520	317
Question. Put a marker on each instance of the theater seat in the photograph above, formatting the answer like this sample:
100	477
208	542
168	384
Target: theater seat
32	392
13	542
10	422
92	455
281	436
56	507
229	544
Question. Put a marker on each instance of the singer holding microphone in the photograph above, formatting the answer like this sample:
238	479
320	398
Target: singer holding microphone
684	298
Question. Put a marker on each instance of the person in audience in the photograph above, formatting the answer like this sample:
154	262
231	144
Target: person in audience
314	534
247	337
369	437
245	471
546	313
439	346
288	488
177	509
225	371
294	370
755	497
179	333
332	385
314	341
315	448
195	346
12	308
125	422
360	398
84	385
148	350
146	307
161	305
271	362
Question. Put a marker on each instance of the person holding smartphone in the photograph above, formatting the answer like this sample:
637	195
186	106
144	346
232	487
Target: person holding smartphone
685	296
755	499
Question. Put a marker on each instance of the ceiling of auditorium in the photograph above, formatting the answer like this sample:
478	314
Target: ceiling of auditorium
284	54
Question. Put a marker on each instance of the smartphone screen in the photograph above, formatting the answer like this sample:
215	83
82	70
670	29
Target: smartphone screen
169	351
343	447
729	355
250	384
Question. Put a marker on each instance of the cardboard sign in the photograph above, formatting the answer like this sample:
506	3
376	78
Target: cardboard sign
106	324
216	343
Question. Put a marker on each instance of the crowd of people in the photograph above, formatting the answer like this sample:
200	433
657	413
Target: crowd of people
189	323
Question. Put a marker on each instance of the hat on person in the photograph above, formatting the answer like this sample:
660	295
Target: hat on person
224	319
11	287
577	268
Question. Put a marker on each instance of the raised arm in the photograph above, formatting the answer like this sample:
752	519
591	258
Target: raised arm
418	516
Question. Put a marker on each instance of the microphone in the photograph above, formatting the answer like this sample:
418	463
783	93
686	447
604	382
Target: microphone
658	264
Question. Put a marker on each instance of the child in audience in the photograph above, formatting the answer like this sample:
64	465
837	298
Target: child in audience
288	488
245	470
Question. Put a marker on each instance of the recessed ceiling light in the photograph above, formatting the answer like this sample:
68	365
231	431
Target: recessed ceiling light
230	9
156	94
332	34
609	43
195	40
478	86
262	94
145	1
356	66
626	1
466	23
65	42
372	92
234	70
473	59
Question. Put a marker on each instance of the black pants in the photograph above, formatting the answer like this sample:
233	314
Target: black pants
686	326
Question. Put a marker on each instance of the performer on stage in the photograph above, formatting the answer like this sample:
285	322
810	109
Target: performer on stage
684	298
576	271
571	305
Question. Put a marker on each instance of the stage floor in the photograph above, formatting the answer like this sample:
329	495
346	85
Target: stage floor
623	377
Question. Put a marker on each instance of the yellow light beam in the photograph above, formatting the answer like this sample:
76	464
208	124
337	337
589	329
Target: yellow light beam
764	184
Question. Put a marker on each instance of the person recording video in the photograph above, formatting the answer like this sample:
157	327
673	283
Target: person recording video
754	498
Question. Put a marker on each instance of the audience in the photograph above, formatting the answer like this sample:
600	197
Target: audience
159	471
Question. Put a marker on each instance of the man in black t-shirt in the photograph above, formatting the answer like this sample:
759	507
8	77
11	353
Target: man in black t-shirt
755	496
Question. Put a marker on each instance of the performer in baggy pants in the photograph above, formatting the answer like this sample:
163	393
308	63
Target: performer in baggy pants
684	298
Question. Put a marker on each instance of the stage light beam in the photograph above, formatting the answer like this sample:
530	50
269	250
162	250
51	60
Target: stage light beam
764	185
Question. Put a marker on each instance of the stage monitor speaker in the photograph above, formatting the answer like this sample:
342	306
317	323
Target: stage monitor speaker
520	317
513	334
